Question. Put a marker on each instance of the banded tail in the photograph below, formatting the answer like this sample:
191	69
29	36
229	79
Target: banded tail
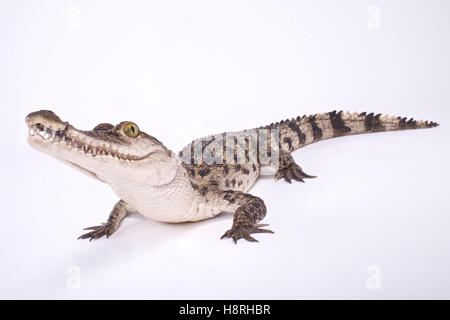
301	131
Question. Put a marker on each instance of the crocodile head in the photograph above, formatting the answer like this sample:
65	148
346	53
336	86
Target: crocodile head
115	154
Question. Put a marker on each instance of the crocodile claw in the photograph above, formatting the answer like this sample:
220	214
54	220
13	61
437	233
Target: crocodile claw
293	171
238	232
105	229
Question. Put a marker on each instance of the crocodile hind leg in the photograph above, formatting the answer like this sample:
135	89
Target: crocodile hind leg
289	170
248	211
118	213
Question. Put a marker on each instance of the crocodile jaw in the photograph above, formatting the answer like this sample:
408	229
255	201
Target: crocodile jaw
144	163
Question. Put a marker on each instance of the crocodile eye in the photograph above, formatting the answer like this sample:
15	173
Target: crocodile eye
130	129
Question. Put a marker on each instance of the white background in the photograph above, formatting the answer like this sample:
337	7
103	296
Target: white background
374	224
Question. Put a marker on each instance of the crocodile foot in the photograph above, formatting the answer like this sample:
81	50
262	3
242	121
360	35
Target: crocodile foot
239	231
105	229
290	170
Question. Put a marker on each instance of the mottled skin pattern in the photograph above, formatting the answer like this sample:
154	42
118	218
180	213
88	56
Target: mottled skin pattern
153	181
237	179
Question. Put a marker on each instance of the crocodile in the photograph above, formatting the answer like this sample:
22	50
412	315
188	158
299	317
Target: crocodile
189	186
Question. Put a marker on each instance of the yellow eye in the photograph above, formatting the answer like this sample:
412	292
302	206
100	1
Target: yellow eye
130	129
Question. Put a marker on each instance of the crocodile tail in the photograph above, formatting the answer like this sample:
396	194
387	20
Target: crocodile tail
298	132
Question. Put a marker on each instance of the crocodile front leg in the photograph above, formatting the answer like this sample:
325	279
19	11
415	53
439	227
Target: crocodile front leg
118	213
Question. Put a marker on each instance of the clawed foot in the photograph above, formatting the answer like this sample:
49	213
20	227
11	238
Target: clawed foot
292	171
238	232
105	229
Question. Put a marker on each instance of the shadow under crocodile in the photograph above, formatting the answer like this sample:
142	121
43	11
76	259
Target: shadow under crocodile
139	236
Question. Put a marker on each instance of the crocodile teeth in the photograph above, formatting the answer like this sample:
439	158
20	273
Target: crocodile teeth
71	142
